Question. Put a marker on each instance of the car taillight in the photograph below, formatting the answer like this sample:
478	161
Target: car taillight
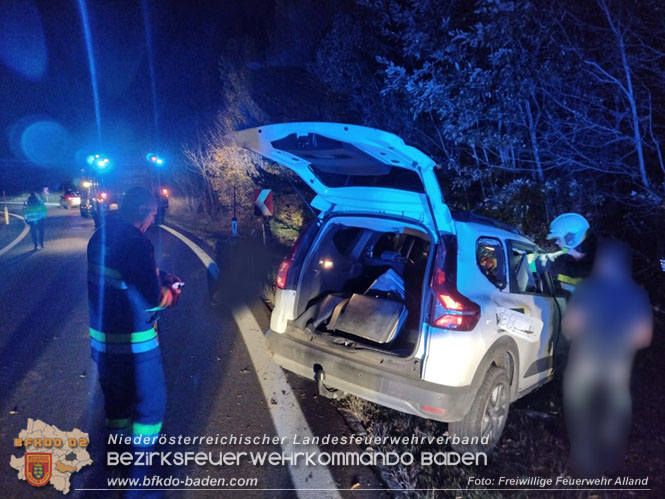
283	269
285	266
450	309
283	273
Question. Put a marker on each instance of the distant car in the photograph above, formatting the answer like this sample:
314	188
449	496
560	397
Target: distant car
70	199
393	298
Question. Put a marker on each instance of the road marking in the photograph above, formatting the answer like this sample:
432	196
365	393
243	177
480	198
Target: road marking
285	411
26	229
203	256
22	203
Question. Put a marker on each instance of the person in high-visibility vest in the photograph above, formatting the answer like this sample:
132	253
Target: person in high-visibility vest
125	293
34	213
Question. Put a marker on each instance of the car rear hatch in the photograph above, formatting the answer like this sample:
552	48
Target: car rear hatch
355	169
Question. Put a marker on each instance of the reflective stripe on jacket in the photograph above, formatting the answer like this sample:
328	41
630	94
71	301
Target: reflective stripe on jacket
34	212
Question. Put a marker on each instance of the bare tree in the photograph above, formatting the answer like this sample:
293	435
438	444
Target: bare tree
201	161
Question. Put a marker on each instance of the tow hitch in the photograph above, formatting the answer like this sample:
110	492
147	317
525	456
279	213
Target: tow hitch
326	391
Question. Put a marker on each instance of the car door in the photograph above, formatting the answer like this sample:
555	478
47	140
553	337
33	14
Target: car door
533	315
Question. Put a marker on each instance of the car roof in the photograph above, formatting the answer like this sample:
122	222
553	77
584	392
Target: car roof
469	216
489	227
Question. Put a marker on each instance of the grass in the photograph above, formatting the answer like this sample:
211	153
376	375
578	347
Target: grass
534	442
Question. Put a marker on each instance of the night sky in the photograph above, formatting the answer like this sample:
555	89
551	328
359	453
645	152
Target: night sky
46	103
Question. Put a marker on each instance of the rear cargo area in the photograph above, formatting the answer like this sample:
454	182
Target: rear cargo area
363	284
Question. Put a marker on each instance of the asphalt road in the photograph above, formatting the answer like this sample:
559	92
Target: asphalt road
46	372
8	233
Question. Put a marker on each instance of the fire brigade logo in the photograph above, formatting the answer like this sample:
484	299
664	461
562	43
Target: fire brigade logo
51	455
38	468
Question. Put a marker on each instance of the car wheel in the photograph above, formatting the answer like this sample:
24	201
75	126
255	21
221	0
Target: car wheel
488	414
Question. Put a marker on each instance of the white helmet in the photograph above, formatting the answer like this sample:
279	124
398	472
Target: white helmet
570	228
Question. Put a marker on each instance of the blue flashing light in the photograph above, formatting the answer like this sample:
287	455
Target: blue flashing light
100	162
154	159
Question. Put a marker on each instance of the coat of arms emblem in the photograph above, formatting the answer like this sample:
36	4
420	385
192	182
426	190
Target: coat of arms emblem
38	468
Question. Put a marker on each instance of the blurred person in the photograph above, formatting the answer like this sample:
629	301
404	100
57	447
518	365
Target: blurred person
34	213
126	291
608	319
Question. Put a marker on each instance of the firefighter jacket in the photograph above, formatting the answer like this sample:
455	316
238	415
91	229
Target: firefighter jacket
566	270
124	291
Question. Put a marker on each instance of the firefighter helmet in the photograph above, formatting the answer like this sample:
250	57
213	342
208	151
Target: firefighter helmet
570	229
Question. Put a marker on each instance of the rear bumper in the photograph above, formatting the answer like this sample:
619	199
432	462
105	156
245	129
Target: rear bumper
397	391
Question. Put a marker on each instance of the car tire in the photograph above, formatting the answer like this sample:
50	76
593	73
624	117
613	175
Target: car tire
488	413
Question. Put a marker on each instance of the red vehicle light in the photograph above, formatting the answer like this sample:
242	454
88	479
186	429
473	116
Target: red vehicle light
450	303
435	410
450	309
282	273
285	266
450	321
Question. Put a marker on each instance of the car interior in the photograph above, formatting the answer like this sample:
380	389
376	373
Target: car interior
367	286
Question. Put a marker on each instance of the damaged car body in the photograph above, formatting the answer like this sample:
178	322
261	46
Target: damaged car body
390	296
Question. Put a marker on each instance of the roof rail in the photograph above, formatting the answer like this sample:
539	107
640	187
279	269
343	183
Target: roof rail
469	216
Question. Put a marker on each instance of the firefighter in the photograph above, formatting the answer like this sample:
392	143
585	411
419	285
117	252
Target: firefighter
571	232
574	260
125	293
34	213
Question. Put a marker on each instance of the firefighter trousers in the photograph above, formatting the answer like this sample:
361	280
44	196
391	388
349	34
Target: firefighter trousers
134	391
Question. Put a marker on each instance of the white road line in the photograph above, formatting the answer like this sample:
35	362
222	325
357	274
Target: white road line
203	256
22	203
24	233
285	411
